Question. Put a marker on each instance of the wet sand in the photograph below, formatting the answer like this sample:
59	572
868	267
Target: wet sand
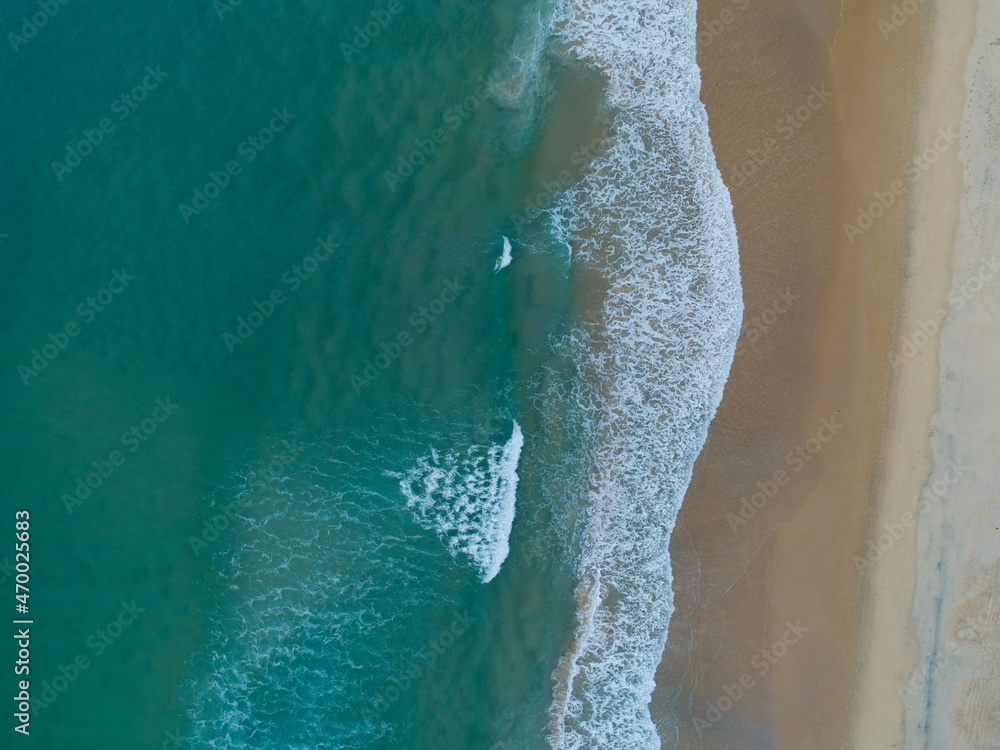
813	115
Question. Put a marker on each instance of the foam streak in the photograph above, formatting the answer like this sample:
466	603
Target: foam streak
655	217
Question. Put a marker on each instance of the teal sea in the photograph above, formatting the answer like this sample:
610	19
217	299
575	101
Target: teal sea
355	359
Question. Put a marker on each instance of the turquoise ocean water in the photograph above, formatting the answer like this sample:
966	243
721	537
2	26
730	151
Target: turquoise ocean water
311	461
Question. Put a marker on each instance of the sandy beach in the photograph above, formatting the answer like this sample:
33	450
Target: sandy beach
840	133
931	652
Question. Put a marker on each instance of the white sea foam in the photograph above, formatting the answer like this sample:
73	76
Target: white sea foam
561	228
654	216
517	77
468	499
519	82
316	560
504	260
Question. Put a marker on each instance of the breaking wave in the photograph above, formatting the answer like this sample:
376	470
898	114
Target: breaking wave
469	500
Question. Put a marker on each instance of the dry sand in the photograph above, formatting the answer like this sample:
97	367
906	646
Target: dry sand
931	673
783	630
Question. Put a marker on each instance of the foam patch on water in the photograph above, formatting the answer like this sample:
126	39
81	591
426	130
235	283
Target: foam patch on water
504	260
468	500
519	82
517	76
561	229
655	218
314	558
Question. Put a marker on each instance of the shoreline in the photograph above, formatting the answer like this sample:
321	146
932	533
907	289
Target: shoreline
770	611
651	388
